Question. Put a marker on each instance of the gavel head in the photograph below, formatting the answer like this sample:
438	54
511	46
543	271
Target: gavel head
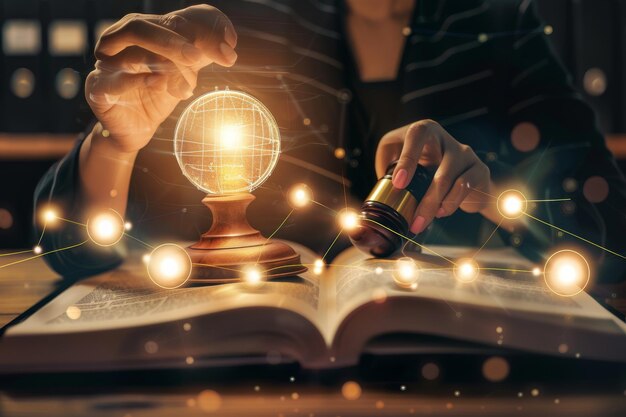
387	212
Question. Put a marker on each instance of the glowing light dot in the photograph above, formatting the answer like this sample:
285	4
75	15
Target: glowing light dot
128	226
557	401
379	404
566	273
466	270
499	329
378	270
209	401
145	258
292	379
534	392
406	31
402	387
49	215
105	228
37	250
563	348
483	37
536	271
340	153
151	347
300	195
295	395
548	29
306	121
457	393
169	266
189	360
512	204
252	276
257	388
73	312
351	391
318	266
406	273
105	133
348	219
495	369
187	327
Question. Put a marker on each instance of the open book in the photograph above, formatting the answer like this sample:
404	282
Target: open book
119	320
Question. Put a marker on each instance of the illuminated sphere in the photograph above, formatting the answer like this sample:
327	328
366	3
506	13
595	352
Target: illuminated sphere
348	219
105	228
512	204
466	270
406	273
226	142
566	273
169	266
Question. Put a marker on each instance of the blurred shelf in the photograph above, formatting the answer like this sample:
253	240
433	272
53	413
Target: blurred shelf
35	145
53	146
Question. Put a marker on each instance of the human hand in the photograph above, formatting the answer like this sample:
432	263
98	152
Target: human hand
147	64
461	179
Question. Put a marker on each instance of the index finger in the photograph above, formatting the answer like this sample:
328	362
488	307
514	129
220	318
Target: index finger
414	140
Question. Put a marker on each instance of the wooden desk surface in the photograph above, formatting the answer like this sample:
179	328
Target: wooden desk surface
23	284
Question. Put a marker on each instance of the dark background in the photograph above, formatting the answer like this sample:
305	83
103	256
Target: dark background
44	66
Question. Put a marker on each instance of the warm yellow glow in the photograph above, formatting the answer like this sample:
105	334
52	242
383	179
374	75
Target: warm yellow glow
378	270
466	270
512	204
536	271
318	266
348	219
73	312
230	137
49	216
406	273
128	226
105	228
252	276
566	273
300	196
37	250
169	266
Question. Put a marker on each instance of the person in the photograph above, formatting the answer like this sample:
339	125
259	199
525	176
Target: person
471	89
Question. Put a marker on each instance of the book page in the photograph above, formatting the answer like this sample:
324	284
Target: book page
126	297
357	282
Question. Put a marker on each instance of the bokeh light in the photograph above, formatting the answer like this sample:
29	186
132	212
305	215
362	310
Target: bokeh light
466	270
169	266
525	137
318	266
300	195
348	219
105	228
566	273
511	204
252	276
37	250
406	273
49	216
351	390
496	369
596	189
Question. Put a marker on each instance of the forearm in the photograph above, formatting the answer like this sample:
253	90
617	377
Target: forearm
104	173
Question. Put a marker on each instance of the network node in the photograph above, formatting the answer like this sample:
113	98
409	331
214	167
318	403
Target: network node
169	266
348	219
37	250
406	273
252	276
128	226
300	195
105	228
566	273
318	266
512	204
49	216
466	270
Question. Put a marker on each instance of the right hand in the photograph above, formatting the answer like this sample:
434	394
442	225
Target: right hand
147	64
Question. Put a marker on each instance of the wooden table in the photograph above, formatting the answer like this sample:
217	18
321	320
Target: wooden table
259	391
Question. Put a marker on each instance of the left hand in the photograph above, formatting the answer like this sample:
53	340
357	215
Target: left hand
461	179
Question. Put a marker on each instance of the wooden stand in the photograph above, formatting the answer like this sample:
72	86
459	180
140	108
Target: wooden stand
231	244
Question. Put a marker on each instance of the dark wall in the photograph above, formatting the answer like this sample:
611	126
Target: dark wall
42	79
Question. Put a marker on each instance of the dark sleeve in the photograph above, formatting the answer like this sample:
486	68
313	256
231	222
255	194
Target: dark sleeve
570	161
66	244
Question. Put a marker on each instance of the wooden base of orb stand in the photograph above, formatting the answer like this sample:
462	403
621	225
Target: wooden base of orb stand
231	244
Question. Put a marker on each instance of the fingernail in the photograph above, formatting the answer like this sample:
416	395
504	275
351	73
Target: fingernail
440	212
418	225
399	178
191	53
228	52
230	36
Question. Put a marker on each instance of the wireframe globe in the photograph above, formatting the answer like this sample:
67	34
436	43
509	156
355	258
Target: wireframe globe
227	142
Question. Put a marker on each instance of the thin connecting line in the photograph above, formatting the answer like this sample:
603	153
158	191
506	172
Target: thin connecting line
332	244
576	236
505	269
139	240
411	240
72	221
15	253
482	192
489	238
323	205
273	233
43	230
217	267
43	254
550	200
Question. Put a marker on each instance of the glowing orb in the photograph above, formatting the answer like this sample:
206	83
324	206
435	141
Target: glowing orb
169	266
226	142
348	219
37	250
49	216
128	226
73	312
378	270
300	196
536	271
351	391
252	276
466	270
512	204
566	273
318	266
106	228
406	273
